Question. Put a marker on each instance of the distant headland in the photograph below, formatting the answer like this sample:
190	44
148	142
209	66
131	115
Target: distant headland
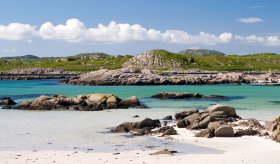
161	60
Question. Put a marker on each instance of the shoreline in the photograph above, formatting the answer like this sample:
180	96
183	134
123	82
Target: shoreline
35	77
134	76
119	147
52	137
258	150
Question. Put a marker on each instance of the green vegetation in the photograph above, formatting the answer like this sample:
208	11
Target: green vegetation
81	63
201	52
254	62
95	61
25	57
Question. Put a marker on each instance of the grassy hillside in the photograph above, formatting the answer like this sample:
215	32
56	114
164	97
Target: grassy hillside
94	61
79	64
254	62
258	62
201	52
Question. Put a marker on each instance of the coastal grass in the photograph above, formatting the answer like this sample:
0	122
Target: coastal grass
92	62
253	62
77	65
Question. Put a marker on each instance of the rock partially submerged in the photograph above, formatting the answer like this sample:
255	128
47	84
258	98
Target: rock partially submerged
7	101
89	102
174	95
134	126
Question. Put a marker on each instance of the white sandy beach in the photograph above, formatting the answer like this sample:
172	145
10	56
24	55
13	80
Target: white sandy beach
82	137
246	149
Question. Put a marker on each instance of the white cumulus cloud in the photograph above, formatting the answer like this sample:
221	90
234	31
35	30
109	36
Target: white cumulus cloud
250	20
17	31
268	41
75	31
273	41
72	31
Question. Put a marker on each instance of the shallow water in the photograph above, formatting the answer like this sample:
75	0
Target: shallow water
67	130
56	130
261	102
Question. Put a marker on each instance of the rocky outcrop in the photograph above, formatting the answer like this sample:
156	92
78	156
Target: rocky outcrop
246	132
131	102
231	77
184	114
125	76
252	123
224	131
194	119
164	152
90	102
144	127
221	110
276	134
153	59
135	76
174	95
216	121
36	73
6	101
169	117
275	129
207	133
214	125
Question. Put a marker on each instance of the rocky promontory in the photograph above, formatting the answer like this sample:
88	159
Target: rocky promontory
89	102
133	76
35	73
154	59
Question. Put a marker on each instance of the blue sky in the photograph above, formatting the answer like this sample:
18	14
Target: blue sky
68	27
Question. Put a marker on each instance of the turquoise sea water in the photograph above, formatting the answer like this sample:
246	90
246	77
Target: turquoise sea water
251	101
84	130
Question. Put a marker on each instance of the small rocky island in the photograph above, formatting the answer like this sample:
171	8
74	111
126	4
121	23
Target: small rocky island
89	102
174	95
